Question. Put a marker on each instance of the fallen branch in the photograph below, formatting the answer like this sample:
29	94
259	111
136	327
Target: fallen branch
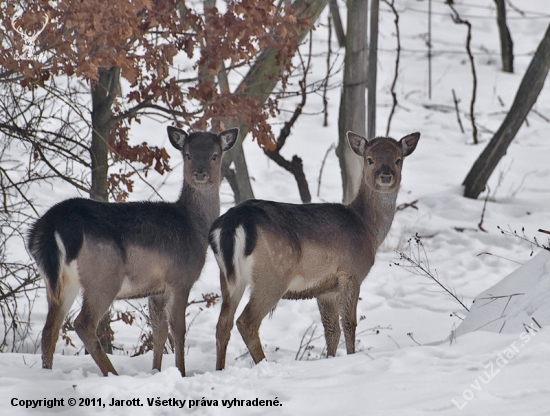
407	205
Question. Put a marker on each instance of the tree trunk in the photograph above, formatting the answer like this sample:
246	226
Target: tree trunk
259	82
352	101
371	68
527	94
242	178
338	27
506	44
103	95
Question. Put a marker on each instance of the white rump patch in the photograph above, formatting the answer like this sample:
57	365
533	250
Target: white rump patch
243	264
62	252
71	284
219	257
68	277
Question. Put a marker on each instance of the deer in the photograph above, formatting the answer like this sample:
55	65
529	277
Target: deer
112	251
318	250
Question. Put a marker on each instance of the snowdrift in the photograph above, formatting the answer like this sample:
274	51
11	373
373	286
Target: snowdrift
519	302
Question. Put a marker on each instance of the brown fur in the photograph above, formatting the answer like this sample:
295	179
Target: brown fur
324	251
133	250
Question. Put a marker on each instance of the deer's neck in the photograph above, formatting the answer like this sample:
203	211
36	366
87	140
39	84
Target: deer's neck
202	205
377	210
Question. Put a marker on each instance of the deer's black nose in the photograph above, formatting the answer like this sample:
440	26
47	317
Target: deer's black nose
201	176
385	178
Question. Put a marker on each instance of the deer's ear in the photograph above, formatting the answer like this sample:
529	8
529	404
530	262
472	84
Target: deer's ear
357	143
228	138
177	137
409	142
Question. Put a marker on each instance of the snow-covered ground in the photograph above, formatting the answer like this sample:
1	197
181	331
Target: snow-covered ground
395	371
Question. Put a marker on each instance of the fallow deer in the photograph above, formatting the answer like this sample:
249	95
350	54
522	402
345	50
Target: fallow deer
114	251
321	251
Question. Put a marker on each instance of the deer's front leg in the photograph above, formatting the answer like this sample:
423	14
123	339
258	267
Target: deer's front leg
159	324
348	289
328	307
178	326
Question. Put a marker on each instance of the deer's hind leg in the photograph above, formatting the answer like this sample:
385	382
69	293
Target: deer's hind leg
230	302
58	306
263	299
86	323
100	268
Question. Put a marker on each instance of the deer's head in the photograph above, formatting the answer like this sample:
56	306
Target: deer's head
382	159
202	154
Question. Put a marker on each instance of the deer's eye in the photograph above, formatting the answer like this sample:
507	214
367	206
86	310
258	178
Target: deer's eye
187	156
370	161
398	162
215	157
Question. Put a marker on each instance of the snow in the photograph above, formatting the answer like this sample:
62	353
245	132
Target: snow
475	371
516	303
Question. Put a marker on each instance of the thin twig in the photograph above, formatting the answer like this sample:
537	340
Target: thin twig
410	335
325	82
331	147
304	347
418	263
500	257
480	224
458	20
520	12
294	166
396	72
523	237
457	112
389	336
541	115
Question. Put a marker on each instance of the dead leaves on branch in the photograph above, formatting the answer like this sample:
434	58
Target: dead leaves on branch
142	38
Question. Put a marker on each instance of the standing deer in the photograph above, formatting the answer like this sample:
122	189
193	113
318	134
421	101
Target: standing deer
321	251
131	250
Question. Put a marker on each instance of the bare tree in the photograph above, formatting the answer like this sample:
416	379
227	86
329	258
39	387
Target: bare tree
352	101
259	83
526	96
338	27
45	102
506	44
295	166
372	68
